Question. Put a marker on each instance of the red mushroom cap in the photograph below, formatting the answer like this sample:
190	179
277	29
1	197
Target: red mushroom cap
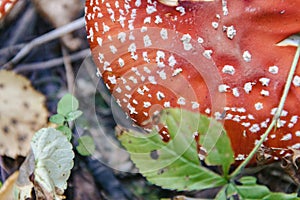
6	6
218	58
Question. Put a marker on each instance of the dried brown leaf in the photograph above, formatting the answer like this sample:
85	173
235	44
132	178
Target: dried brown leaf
59	13
22	113
6	191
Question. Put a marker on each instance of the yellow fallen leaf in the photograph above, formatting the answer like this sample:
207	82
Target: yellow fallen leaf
22	113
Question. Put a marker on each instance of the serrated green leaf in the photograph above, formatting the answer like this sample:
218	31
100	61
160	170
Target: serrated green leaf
172	165
86	146
71	116
57	119
53	159
251	191
213	137
66	131
67	104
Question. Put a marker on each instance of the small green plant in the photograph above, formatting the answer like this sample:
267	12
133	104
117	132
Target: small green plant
67	112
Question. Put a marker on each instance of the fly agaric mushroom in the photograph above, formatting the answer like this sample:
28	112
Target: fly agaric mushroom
6	6
218	58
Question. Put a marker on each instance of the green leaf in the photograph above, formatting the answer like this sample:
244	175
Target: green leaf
53	159
251	191
86	146
71	116
213	137
66	131
57	119
172	165
67	104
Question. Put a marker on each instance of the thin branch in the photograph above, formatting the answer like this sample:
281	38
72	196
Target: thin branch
69	70
51	63
57	33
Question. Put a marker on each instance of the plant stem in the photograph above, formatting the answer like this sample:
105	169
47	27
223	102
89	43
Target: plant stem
287	86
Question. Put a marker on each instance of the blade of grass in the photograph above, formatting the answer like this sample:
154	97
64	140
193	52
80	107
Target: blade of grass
287	86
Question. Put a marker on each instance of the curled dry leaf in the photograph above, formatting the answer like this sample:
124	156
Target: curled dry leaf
6	6
290	164
22	113
6	191
59	13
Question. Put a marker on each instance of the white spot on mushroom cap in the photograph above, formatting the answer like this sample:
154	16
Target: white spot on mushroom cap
164	34
113	49
160	55
160	95
200	40
265	93
231	32
152	80
259	106
181	101
296	81
280	123
264	81
150	9
172	61
207	53
167	104
215	25
296	146
273	69
121	62
158	19
147	104
223	88
286	137
195	105
181	9
207	111
235	92
248	87
147	20
112	79
177	71
147	41
228	69
186	38
131	109
162	74
240	157
247	56
254	128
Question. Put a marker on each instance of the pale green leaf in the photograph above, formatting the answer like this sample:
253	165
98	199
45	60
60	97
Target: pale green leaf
66	131
57	119
53	159
175	164
86	146
67	104
71	116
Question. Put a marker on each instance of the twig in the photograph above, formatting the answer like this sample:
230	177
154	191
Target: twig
69	70
276	116
51	63
79	23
